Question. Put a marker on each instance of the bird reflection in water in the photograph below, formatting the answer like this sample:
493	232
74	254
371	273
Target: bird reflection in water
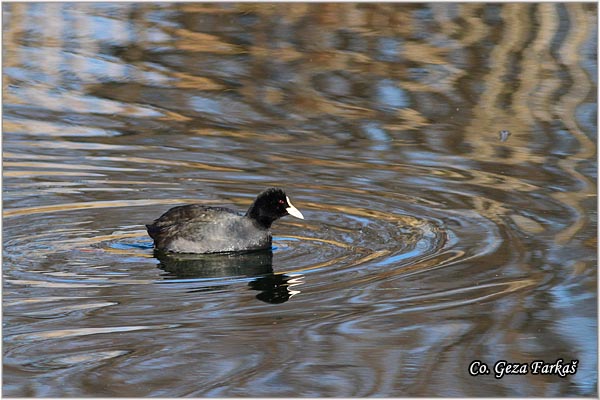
274	288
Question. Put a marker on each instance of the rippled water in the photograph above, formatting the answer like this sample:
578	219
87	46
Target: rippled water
444	157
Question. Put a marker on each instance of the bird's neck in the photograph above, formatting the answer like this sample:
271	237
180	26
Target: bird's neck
262	220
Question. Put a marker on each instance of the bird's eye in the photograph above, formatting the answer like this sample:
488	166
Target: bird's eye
281	202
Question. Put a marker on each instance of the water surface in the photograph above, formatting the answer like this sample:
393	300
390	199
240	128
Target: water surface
443	155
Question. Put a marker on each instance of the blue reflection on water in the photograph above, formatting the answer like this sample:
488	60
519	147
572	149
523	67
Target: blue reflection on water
389	95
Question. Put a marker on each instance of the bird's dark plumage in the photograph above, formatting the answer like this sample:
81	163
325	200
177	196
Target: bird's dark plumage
202	229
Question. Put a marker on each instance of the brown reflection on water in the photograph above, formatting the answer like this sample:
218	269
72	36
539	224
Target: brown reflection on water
523	103
577	93
91	205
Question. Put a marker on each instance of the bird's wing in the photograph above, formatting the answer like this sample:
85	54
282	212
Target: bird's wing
189	214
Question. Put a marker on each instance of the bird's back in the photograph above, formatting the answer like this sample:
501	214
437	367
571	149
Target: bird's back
202	229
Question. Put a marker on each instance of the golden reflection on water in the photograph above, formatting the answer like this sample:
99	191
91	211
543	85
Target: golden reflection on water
42	165
189	164
536	93
465	295
40	173
404	220
329	262
97	204
310	239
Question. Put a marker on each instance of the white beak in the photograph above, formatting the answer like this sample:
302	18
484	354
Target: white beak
293	211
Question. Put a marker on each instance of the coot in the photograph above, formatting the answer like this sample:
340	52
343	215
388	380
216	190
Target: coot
201	229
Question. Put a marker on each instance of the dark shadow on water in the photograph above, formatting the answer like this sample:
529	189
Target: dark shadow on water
216	265
274	288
